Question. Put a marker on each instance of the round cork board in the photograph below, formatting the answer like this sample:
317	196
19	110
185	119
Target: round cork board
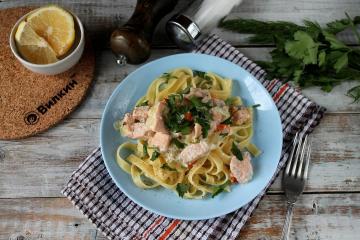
29	102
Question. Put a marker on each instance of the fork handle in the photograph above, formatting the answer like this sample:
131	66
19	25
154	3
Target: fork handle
286	228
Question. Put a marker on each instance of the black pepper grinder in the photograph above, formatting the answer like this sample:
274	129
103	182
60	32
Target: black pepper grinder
131	43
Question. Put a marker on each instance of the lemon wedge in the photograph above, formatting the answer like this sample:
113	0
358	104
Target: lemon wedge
56	26
32	47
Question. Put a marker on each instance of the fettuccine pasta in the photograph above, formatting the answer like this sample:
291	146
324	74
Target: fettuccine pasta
191	135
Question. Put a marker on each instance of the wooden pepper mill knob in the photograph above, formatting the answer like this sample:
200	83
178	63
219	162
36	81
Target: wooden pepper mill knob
131	43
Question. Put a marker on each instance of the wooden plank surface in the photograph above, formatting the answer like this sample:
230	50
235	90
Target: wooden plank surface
43	218
33	170
100	17
40	166
325	216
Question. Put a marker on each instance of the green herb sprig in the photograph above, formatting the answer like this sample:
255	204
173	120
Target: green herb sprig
220	189
167	167
145	151
177	143
236	151
308	54
154	155
201	74
144	103
227	121
167	76
182	188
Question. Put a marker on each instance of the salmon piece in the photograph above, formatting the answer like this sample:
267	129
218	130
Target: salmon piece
141	113
219	102
241	170
149	134
206	99
127	125
139	130
126	130
198	92
128	119
133	124
193	152
161	141
216	116
241	116
219	114
135	131
155	121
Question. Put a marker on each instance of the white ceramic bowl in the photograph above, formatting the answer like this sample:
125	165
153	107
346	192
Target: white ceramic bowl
63	64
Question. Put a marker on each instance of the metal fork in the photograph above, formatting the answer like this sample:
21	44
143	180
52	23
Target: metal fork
295	175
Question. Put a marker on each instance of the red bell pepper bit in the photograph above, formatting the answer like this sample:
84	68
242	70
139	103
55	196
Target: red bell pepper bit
221	127
188	116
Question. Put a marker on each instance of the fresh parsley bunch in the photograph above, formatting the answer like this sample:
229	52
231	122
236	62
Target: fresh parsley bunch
309	55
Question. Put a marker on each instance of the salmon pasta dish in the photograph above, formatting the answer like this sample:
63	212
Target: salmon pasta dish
189	135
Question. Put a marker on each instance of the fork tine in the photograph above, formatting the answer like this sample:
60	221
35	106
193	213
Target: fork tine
297	154
302	155
287	170
307	160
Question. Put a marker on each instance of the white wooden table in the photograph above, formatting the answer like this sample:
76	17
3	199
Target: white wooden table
34	170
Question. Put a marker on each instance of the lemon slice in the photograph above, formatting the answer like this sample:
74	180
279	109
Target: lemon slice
56	26
32	47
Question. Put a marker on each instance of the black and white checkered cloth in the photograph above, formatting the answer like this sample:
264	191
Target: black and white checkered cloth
93	192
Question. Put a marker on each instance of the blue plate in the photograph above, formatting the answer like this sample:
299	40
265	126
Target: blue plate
267	136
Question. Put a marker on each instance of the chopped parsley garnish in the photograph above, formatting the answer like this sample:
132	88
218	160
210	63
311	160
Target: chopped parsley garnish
144	103
227	121
256	105
175	119
220	189
145	152
185	130
182	188
167	76
196	102
167	167
174	100
154	155
177	143
236	151
205	125
201	74
201	115
229	101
